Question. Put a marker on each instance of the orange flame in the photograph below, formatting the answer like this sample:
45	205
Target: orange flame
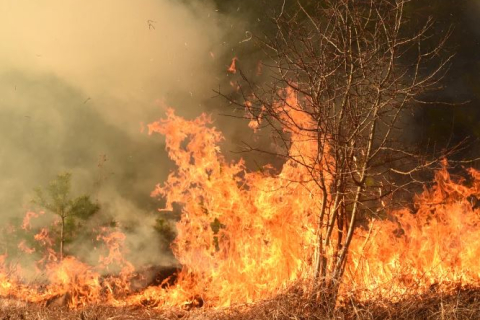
244	235
233	68
76	282
438	244
28	216
25	248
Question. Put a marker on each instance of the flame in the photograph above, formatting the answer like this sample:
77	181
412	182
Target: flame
70	279
28	216
436	245
233	68
25	248
244	235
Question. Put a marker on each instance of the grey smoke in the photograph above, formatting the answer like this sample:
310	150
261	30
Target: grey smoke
77	80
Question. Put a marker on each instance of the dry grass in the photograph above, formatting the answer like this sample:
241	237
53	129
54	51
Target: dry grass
464	303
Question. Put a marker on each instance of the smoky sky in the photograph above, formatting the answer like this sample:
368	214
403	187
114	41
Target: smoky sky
79	79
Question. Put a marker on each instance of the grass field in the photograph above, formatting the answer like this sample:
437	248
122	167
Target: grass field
463	303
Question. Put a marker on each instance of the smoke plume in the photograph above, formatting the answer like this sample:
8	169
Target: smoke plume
78	82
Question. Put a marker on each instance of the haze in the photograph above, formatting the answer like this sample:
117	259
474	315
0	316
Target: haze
78	79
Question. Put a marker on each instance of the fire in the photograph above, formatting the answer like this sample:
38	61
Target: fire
244	235
436	245
235	238
233	68
77	283
28	216
25	248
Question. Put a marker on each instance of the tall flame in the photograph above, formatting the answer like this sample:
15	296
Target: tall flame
244	235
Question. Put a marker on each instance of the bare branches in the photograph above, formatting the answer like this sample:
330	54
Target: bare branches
344	75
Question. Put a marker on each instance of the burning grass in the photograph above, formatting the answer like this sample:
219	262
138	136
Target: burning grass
461	303
246	245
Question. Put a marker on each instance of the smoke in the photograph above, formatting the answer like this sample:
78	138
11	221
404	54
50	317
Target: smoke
78	79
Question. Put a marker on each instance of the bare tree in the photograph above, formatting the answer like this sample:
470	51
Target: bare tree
354	67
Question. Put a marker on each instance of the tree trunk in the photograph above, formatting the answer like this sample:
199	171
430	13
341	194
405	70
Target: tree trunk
62	230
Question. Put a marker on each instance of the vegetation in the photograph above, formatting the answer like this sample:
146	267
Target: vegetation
166	232
57	199
344	73
462	304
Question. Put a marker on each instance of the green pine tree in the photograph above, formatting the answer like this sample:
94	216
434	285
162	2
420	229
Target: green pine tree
56	198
